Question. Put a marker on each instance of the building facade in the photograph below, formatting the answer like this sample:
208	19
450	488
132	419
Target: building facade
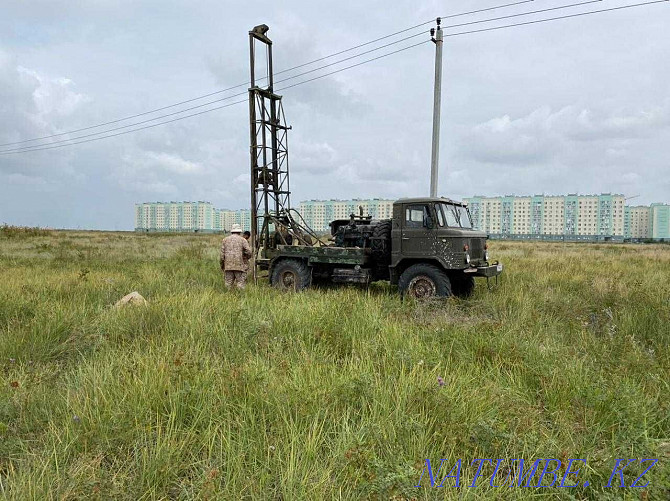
564	217
659	218
227	218
319	213
637	225
174	216
199	217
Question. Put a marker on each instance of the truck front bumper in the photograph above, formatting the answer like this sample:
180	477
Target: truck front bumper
488	271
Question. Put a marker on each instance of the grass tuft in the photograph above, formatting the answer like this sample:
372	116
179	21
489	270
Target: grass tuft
333	393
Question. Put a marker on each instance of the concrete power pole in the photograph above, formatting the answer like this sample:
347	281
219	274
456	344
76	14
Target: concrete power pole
437	102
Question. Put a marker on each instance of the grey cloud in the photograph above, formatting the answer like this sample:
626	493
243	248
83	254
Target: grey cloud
573	106
553	136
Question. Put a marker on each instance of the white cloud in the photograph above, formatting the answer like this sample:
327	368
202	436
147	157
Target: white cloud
157	187
172	163
549	136
313	157
33	105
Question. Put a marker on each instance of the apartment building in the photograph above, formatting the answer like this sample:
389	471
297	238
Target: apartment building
319	213
659	218
576	217
228	218
637	224
562	217
174	216
187	216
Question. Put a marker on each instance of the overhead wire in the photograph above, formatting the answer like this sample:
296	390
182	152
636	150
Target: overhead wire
568	16
68	140
559	7
243	84
47	147
214	101
404	31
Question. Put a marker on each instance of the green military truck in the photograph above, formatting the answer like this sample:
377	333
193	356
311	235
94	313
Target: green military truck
428	249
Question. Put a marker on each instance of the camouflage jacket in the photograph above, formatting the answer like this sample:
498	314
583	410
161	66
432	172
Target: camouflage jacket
235	253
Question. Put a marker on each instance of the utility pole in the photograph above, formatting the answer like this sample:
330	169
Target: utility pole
436	37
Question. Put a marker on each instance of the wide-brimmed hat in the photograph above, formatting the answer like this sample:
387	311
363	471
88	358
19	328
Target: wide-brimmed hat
236	229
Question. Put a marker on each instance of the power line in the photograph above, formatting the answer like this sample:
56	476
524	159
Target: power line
443	27
523	14
41	148
67	140
554	18
28	148
354	65
404	31
337	71
276	73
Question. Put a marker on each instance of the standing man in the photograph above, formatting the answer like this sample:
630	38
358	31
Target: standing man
234	255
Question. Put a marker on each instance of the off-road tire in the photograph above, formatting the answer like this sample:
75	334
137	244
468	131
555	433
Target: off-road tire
380	246
424	281
291	275
462	285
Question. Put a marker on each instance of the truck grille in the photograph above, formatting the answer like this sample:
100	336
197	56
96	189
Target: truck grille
476	248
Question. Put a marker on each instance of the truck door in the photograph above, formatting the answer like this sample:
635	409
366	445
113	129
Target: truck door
418	235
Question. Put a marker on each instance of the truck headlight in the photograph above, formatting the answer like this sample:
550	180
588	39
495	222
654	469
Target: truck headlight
486	255
467	258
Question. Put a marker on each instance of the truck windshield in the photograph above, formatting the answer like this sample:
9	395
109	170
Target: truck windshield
464	217
455	216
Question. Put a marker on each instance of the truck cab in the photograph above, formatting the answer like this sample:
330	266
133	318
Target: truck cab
435	250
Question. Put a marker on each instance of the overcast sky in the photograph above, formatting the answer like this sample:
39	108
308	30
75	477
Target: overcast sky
578	105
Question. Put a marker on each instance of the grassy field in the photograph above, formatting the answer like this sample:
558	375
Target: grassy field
337	393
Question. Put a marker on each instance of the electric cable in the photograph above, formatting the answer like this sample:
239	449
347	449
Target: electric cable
46	147
49	147
67	140
276	73
522	14
402	31
493	28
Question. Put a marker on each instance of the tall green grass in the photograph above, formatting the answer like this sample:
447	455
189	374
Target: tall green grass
333	393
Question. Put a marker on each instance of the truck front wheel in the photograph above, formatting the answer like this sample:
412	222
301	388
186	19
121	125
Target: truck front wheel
290	274
424	281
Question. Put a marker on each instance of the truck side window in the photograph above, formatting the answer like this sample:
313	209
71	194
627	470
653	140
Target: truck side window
414	216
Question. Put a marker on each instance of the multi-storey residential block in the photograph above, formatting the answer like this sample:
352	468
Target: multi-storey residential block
569	217
227	218
660	221
186	216
319	213
637	225
174	216
588	217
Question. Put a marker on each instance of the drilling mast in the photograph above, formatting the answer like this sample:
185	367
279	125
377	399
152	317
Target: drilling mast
273	222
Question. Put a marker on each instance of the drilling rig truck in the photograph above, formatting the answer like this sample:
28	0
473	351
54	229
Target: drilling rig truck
428	248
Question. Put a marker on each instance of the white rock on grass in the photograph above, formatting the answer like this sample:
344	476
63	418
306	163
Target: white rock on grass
132	298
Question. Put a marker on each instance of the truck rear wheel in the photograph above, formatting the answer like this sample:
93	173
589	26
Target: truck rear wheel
424	281
290	274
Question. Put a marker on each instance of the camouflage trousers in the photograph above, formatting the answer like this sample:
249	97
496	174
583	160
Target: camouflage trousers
237	278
